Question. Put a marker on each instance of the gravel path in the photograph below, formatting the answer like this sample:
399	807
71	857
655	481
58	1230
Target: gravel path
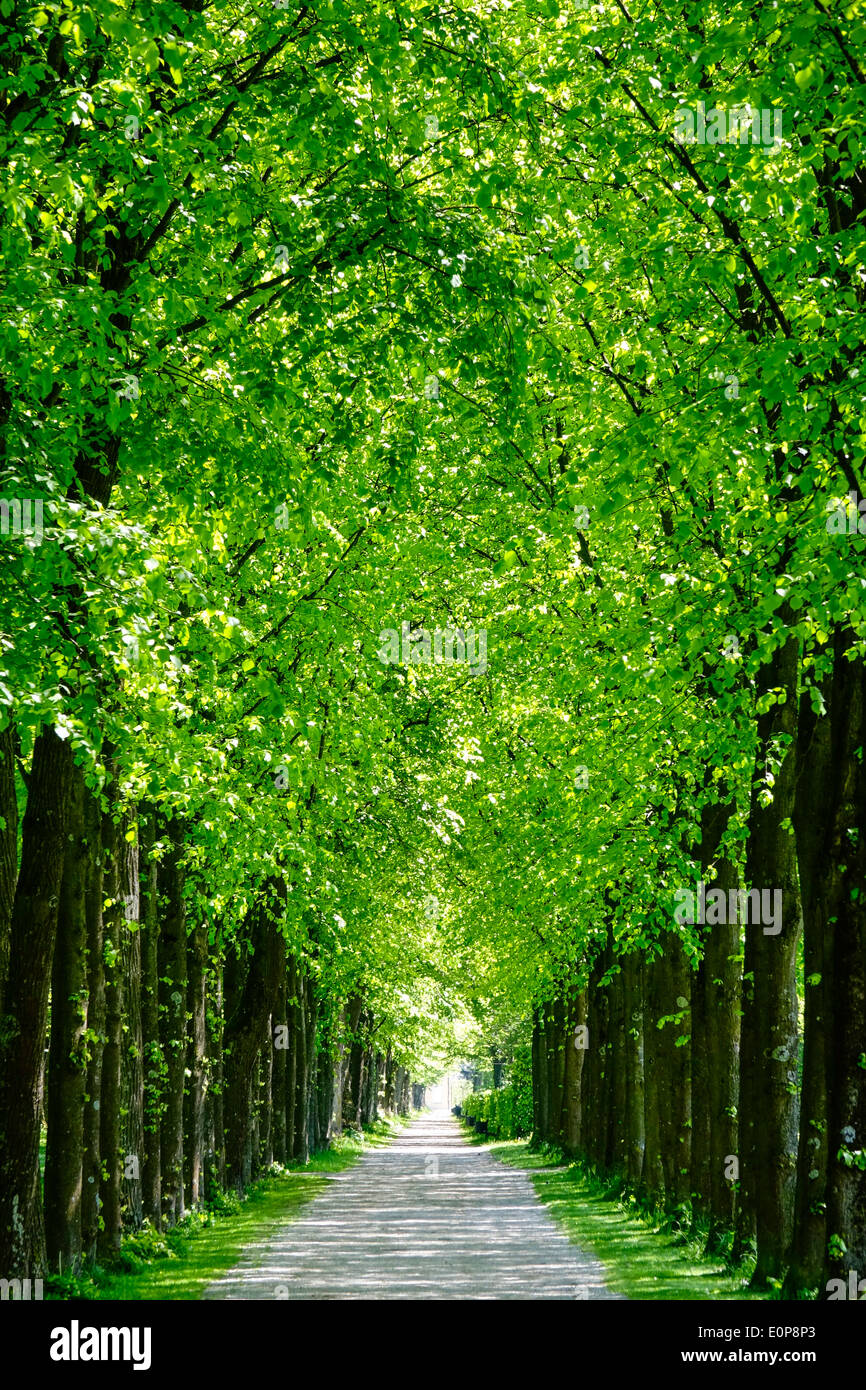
430	1216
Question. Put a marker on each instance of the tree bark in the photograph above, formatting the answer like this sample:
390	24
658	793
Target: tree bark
846	1174
574	1059
244	1030
215	1174
132	1048
302	1132
653	1175
8	849
673	979
172	1009
31	955
67	1062
153	1061
196	1060
280	1042
719	987
616	1077
769	1100
91	1198
633	1065
814	815
108	1243
293	1023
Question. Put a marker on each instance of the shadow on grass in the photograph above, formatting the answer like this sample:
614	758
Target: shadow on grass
641	1261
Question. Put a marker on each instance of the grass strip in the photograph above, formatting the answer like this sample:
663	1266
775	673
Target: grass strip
180	1263
642	1259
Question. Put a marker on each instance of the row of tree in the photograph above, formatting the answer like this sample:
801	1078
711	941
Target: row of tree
353	319
181	1064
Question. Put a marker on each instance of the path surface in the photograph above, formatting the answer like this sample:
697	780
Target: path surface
431	1216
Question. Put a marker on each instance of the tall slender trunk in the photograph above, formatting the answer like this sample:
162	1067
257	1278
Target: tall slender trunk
279	1041
31	955
674	979
216	1157
8	849
574	1059
633	1067
67	1062
244	1031
814	814
769	1099
293	1024
325	1095
312	1054
266	1104
616	1075
302	1131
718	986
371	1087
132	1047
152	1053
846	1173
196	1060
537	1079
114	926
653	1175
354	1070
91	1198
172	1002
596	1102
556	1063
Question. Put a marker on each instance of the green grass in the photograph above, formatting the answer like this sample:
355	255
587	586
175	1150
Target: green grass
642	1260
182	1262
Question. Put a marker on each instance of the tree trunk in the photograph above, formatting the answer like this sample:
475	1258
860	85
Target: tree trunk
266	1104
302	1132
196	1061
114	926
172	1011
846	1174
633	1066
132	1049
719	986
8	849
244	1030
769	1101
67	1063
814	814
556	1065
279	1042
152	1053
653	1175
616	1075
31	955
293	1023
537	1080
673	979
91	1188
215	1166
354	1070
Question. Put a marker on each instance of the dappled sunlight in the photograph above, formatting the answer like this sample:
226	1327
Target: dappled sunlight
643	1262
431	1216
